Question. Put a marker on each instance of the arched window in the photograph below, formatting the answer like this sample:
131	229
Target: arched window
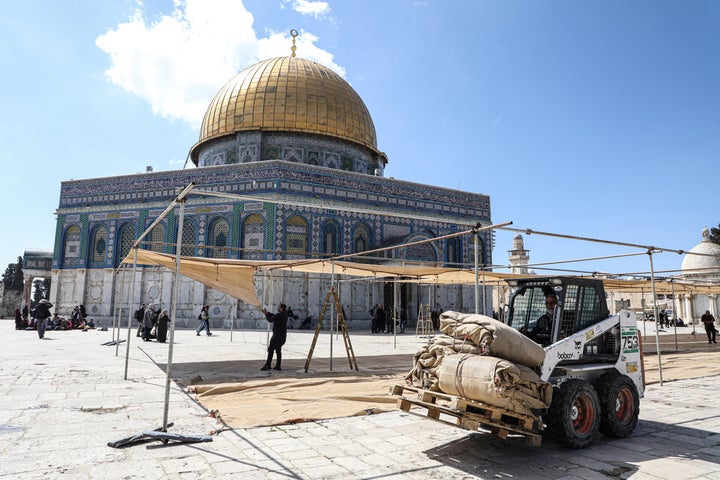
125	239
253	235
330	237
452	253
361	238
218	238
98	247
471	251
423	252
71	247
189	239
157	238
296	237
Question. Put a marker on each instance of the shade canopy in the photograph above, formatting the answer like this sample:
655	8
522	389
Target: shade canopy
236	277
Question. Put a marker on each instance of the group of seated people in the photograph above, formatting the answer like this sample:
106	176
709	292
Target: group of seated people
76	321
58	322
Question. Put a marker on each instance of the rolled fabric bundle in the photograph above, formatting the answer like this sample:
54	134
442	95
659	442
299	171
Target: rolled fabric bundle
429	357
493	338
494	381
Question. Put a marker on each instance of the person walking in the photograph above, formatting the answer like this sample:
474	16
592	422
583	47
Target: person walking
139	316
20	324
709	322
380	318
162	326
148	322
204	318
279	322
42	313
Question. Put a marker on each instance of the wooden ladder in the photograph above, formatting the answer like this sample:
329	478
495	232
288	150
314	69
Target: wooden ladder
341	325
424	326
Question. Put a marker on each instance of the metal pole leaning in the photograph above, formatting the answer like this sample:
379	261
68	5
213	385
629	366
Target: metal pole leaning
130	294
173	316
655	310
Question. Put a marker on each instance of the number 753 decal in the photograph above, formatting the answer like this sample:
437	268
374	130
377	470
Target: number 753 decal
630	343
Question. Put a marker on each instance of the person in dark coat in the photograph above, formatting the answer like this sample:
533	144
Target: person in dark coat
279	323
380	318
20	324
42	313
709	321
162	326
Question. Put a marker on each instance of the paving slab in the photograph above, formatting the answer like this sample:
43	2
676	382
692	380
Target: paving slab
67	396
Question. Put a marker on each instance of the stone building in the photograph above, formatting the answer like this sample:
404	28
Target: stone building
285	128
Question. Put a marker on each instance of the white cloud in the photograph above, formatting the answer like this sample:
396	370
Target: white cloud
278	44
316	9
178	62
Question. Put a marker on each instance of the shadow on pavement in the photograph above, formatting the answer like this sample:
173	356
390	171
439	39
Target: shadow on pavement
485	455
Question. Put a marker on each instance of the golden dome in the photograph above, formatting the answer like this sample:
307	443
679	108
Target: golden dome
288	94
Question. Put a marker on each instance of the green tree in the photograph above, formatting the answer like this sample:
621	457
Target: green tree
18	281
13	277
41	289
715	234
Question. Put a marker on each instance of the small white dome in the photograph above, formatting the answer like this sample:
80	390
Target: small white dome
705	265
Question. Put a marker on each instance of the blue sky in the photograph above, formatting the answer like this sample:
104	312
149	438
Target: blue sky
596	118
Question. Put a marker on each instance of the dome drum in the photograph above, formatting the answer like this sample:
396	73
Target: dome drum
323	151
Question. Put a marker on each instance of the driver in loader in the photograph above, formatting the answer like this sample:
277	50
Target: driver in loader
540	333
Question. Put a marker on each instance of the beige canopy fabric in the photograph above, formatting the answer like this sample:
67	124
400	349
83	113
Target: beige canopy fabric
678	286
232	277
235	277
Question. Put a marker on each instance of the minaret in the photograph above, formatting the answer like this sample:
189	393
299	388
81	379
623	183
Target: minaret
519	257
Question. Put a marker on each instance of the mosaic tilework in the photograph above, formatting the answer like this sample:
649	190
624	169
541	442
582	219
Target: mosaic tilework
315	185
235	227
293	147
301	179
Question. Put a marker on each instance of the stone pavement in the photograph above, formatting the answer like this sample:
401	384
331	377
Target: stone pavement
66	397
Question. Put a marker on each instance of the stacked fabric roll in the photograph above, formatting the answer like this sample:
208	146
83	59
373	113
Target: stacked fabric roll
481	359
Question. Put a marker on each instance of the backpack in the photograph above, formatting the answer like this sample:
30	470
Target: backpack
139	314
200	316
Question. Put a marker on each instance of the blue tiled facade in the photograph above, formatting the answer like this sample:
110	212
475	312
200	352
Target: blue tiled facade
393	212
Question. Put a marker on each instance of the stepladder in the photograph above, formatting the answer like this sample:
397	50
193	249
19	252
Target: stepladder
424	326
332	296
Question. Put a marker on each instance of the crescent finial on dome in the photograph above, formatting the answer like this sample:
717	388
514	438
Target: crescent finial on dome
293	34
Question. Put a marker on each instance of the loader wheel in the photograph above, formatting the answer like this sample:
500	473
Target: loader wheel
620	404
574	415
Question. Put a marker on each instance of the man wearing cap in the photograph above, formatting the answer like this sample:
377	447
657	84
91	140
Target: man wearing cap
42	313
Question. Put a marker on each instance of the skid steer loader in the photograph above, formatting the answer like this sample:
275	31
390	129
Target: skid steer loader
592	359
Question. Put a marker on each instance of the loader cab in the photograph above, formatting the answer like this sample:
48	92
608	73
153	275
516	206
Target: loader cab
580	303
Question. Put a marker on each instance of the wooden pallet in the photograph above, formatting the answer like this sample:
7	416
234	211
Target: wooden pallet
467	414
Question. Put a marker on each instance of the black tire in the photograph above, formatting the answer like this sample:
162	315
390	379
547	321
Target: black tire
620	404
574	415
